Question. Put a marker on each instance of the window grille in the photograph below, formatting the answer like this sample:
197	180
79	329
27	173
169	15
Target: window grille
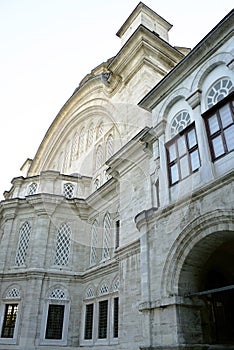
116	318
9	321
183	155
32	189
100	130
24	236
68	190
104	289
57	294
94	241
90	293
63	245
88	334
82	141
116	286
90	135
74	150
102	320
107	236
54	326
13	294
180	122
117	233
109	146
96	184
99	157
219	91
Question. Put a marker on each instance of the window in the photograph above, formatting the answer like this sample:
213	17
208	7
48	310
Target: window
88	322
11	309
32	189
219	91
109	146
106	237
117	231
74	146
183	157
100	130
9	321
99	157
116	318
54	326
55	322
180	122
90	135
94	240
68	190
102	319
82	142
23	244
63	245
219	122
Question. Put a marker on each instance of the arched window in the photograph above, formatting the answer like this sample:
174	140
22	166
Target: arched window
68	190
109	146
180	122
99	157
106	237
94	241
23	243
74	147
63	245
56	317
219	91
100	130
32	189
9	321
90	135
82	142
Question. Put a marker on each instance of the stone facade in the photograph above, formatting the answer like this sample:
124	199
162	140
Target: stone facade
119	234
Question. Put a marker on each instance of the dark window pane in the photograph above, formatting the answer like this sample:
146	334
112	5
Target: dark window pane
102	324
89	322
116	318
54	327
9	321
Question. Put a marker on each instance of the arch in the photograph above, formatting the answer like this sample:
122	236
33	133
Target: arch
32	189
211	223
89	292
103	288
179	122
218	90
215	61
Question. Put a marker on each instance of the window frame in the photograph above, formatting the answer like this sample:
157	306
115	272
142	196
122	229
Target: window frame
63	340
215	110
189	151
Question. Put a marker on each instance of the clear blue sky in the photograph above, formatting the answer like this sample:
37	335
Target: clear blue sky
48	46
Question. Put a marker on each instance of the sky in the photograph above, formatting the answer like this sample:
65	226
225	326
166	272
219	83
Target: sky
48	46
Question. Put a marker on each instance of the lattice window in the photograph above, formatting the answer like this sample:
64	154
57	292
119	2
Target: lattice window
96	184
66	157
68	190
218	91
74	146
116	286
23	244
99	157
90	293
13	294
180	122
90	135
57	294
32	189
88	332
9	321
82	141
109	146
54	325
107	236
94	241
63	245
104	289
103	319
100	130
116	318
